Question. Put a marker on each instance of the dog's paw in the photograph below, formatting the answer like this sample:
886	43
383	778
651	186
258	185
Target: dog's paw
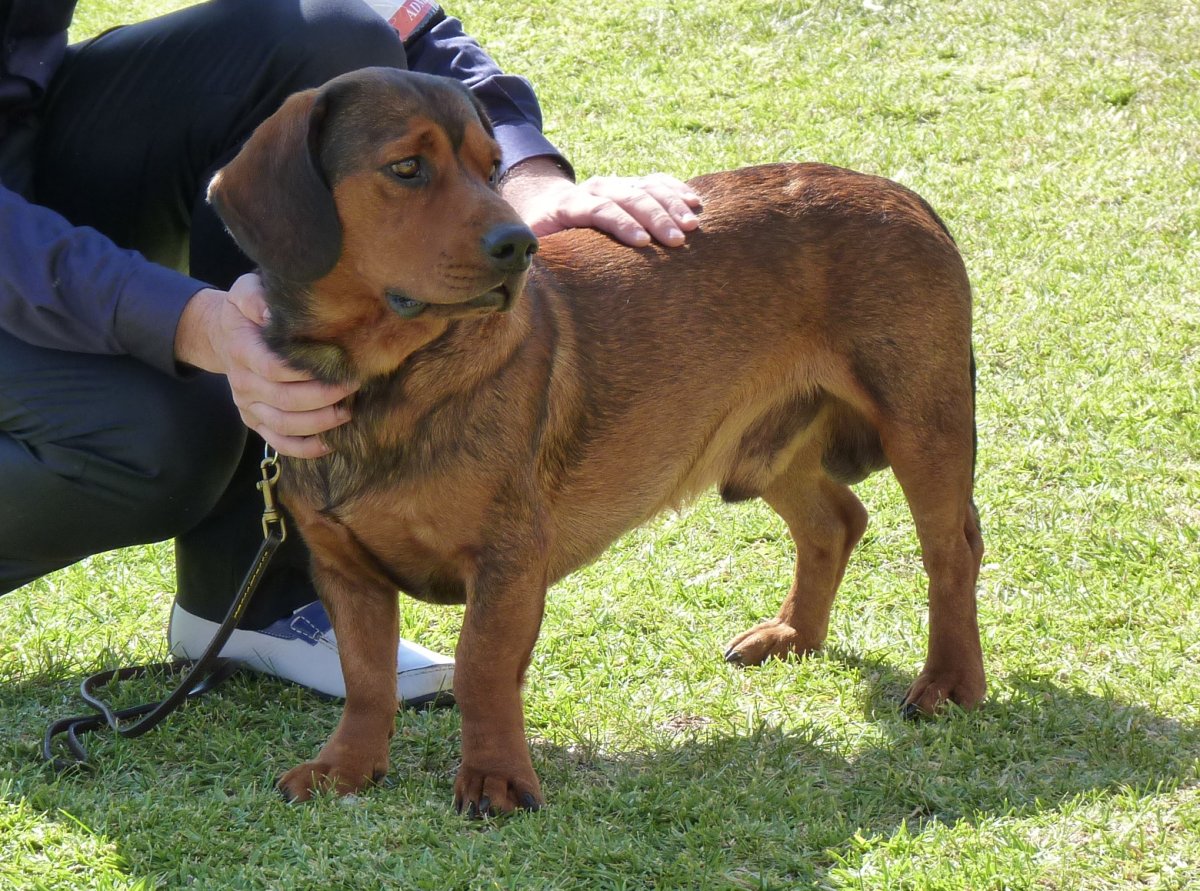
482	793
303	781
964	686
766	639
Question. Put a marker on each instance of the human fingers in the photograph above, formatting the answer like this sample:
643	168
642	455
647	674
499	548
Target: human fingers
658	204
295	423
253	366
639	205
242	333
592	209
294	446
293	396
248	296
677	198
295	430
277	402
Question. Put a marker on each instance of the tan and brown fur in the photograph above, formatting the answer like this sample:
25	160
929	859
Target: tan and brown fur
816	328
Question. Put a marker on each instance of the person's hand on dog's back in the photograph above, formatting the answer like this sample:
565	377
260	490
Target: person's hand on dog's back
220	332
635	210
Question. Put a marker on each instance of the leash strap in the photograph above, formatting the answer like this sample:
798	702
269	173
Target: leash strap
202	675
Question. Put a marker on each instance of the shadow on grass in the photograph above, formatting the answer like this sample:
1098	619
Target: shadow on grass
768	806
786	806
1034	743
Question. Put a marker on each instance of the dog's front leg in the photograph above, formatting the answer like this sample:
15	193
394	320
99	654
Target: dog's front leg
501	624
366	623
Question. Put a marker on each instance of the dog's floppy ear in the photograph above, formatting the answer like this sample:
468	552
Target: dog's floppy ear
274	198
484	118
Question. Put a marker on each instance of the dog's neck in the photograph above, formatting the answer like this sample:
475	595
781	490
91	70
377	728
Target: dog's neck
324	360
422	412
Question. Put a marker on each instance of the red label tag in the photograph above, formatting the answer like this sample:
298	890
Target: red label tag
411	15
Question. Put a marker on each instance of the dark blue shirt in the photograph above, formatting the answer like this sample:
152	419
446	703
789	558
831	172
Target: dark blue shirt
70	288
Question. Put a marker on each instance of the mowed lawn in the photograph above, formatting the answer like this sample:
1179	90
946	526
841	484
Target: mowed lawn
1061	143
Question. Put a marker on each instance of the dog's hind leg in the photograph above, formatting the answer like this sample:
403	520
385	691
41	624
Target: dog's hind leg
826	520
935	472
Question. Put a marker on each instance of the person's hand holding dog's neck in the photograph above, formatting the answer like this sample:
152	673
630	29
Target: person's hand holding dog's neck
635	210
221	332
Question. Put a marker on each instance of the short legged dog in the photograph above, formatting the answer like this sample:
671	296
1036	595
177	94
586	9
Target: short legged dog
518	413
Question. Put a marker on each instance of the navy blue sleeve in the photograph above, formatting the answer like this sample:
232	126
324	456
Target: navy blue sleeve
70	288
446	49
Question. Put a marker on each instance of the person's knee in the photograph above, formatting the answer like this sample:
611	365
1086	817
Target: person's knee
148	463
346	35
320	39
184	457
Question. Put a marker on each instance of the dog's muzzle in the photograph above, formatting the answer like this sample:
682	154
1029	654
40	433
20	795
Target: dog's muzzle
508	249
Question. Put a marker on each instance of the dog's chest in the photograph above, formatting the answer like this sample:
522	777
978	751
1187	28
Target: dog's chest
424	539
432	555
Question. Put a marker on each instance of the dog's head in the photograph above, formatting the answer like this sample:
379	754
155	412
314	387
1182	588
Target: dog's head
370	205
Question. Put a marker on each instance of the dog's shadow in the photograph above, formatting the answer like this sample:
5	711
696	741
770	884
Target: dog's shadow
1034	746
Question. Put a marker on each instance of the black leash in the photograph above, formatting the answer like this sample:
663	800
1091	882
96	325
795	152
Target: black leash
202	675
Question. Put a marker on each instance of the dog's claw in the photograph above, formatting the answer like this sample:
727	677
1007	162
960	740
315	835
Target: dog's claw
910	712
733	656
529	803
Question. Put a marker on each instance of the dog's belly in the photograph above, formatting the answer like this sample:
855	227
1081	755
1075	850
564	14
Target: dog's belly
443	590
740	453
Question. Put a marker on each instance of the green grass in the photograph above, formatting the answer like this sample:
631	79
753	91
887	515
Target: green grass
1059	141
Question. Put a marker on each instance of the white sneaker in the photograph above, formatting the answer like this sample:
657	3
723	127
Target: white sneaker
302	648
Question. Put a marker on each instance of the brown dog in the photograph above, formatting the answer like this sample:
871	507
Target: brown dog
515	419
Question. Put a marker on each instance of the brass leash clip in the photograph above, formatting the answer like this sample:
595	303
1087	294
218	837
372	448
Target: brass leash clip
272	517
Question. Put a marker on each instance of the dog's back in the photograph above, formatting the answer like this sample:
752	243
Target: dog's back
811	301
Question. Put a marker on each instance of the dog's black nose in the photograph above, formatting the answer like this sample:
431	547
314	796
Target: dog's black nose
510	246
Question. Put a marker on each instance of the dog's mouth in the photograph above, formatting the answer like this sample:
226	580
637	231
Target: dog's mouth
498	299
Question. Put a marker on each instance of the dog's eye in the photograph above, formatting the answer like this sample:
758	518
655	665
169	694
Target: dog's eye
494	175
409	168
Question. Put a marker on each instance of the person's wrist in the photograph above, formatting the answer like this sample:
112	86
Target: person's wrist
539	167
527	180
529	186
193	343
